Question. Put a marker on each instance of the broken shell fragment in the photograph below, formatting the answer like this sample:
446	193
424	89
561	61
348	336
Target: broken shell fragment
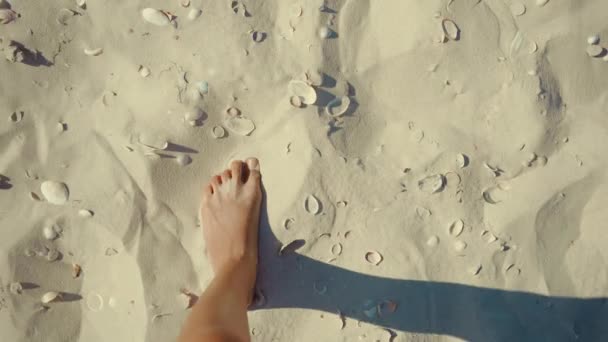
488	237
595	50
336	249
218	132
338	106
7	16
55	192
50	297
233	111
76	269
93	52
194	13
52	255
85	213
541	3
460	246
432	184
296	101
16	116
475	269
156	17
183	159
288	223
312	205
239	125
258	36
314	78
307	93
373	257
450	29
462	160
49	233
144	71
456	228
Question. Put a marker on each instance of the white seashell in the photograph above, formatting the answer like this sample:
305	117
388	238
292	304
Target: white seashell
314	78
432	184
312	205
183	159
112	302
52	255
55	192
61	127
64	16
373	257
50	297
303	90
16	116
233	111
81	3
16	288
288	223
239	125
203	87
605	58
338	106
593	40
341	204
324	32
194	114
456	228
450	29
93	52
153	142
296	101
462	160
49	233
218	132
595	50
85	213
518	9
156	17
296	10
488	237
94	302
533	47
460	246
541	3
7	16
491	195
432	241
194	13
144	71
336	249
185	3
258	36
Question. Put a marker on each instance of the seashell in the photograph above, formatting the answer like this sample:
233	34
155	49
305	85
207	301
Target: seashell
450	29
194	114
312	205
347	234
52	255
456	228
94	302
324	32
153	142
292	246
233	111
475	269
7	16
185	3
34	196
296	101
288	223
307	93
15	288
605	58
144	71
541	3
258	36
314	78
16	116
488	237
338	106
81	3
491	195
93	52
460	246
85	213
55	192
296	10
203	87
61	127
194	13
76	269
183	159
432	241
533	47
156	17
64	16
518	9
423	213
49	233
593	40
112	302
373	257
50	296
432	184
239	125
496	171
595	50
341	204
462	160
336	249
218	132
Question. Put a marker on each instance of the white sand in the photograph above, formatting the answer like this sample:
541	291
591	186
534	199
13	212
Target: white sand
416	104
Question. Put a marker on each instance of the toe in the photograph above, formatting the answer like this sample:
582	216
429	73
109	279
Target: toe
226	176
254	170
215	183
207	193
236	167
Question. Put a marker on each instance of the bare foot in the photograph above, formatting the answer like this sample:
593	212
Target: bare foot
230	213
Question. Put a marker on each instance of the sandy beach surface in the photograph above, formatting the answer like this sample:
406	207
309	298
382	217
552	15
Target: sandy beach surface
433	170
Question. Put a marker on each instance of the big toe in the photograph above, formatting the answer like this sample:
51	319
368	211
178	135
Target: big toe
253	166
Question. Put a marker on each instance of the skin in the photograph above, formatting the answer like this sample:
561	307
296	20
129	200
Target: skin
230	213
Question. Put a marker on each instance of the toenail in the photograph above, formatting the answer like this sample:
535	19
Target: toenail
253	164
